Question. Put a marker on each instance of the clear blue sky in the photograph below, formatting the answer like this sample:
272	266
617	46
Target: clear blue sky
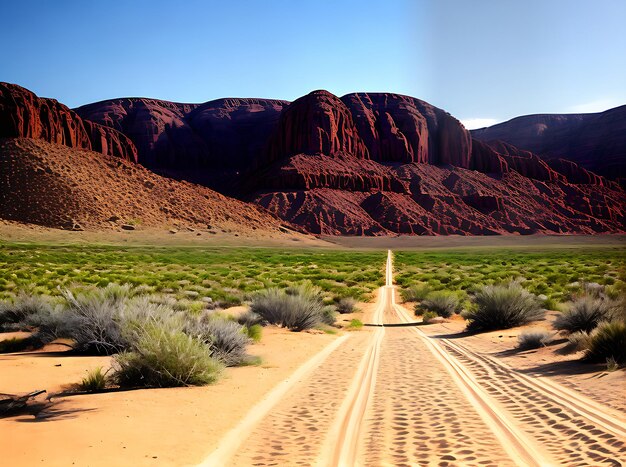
478	59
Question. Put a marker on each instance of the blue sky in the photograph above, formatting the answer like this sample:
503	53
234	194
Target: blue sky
478	59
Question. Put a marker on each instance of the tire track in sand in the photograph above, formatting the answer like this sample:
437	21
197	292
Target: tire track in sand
574	429
319	420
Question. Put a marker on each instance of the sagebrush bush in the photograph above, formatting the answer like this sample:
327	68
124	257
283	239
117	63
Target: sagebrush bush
346	305
415	293
607	341
501	307
227	339
292	310
249	319
584	314
92	321
442	302
15	314
164	357
532	339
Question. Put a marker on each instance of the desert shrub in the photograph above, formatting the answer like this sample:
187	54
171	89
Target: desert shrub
443	303
346	305
532	339
415	293
165	357
293	311
501	307
95	381
328	315
92	321
607	341
579	340
584	314
593	289
249	319
307	290
15	344
428	315
226	339
14	314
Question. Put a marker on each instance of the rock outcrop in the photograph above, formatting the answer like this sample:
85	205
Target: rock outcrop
362	164
23	114
211	143
595	141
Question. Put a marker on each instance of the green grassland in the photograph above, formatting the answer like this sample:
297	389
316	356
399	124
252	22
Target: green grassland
556	273
228	275
189	273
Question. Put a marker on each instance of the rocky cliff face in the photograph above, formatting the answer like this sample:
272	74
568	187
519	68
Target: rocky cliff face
404	129
596	142
23	114
362	164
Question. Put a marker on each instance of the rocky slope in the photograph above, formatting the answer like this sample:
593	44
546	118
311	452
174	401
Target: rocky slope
70	188
23	114
596	141
363	164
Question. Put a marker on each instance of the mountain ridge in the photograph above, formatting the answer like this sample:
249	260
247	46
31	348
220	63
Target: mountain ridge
361	164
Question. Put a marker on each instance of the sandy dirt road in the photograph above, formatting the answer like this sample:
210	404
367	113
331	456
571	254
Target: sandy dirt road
391	395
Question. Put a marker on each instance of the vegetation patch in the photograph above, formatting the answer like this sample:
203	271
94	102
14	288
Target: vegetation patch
533	339
443	303
502	307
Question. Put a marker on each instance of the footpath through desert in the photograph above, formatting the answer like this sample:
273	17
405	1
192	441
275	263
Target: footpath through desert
391	395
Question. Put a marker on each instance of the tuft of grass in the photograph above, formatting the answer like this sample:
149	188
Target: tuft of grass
502	307
584	314
355	324
254	332
611	364
95	381
166	357
607	341
428	315
443	303
415	293
579	340
533	339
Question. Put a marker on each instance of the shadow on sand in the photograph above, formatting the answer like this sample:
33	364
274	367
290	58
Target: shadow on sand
567	368
42	411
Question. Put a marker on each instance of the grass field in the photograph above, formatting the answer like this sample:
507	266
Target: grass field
555	273
228	274
189	273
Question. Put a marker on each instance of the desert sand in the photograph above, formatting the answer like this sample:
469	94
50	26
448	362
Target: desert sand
177	426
